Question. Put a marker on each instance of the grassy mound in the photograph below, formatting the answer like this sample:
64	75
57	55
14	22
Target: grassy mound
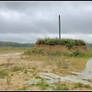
67	42
45	52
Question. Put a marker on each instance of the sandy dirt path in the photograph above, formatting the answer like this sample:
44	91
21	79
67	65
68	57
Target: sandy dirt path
9	56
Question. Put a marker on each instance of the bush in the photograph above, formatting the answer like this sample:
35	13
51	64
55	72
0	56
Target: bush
77	85
68	42
87	86
69	46
77	53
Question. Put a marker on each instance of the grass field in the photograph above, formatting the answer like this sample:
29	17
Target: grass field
13	49
15	70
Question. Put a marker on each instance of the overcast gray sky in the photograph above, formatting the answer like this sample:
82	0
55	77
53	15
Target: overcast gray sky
27	21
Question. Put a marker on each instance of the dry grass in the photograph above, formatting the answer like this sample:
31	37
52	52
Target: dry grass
20	69
4	50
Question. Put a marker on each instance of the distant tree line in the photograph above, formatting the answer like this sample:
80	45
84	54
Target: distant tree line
15	44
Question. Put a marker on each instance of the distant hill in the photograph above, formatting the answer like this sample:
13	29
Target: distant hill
89	44
15	44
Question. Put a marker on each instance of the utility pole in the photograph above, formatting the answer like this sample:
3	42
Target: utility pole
59	27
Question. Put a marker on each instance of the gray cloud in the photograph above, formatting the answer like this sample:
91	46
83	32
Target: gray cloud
27	21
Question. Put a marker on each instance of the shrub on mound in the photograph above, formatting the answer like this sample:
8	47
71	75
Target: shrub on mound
67	42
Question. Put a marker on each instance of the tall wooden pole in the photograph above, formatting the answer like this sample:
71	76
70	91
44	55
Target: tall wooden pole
59	28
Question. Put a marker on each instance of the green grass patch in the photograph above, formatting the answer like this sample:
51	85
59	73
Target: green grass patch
6	64
78	85
4	73
17	68
42	84
22	88
61	86
87	86
34	51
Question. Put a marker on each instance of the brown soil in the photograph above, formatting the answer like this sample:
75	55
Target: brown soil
62	48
